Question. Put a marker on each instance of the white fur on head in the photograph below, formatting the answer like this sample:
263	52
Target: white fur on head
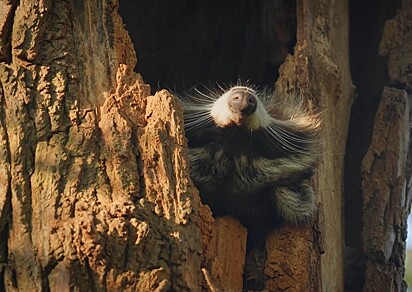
223	116
220	111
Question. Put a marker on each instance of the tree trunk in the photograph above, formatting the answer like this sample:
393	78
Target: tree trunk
319	69
95	193
378	160
386	167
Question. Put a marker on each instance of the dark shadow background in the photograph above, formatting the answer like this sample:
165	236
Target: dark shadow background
185	43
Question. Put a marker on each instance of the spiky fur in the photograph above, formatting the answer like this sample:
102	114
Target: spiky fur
255	168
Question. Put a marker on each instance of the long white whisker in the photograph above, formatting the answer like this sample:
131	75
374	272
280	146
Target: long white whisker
285	142
288	134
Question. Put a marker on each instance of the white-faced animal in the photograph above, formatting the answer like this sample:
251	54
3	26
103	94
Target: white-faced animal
251	156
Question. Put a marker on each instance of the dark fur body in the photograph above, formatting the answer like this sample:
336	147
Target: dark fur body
247	174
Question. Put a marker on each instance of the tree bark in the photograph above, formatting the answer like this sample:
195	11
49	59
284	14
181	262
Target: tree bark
387	165
386	205
95	193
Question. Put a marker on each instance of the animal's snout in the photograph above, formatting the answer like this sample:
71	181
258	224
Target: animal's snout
242	102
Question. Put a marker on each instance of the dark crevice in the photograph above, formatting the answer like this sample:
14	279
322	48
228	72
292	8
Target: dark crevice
46	272
368	70
6	52
91	277
4	235
139	168
184	44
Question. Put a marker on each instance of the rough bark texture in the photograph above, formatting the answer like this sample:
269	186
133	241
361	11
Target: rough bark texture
386	205
367	20
94	189
378	161
386	168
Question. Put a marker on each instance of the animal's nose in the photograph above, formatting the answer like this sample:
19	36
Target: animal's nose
242	101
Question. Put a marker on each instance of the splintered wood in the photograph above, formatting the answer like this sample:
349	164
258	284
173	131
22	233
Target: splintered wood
225	254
